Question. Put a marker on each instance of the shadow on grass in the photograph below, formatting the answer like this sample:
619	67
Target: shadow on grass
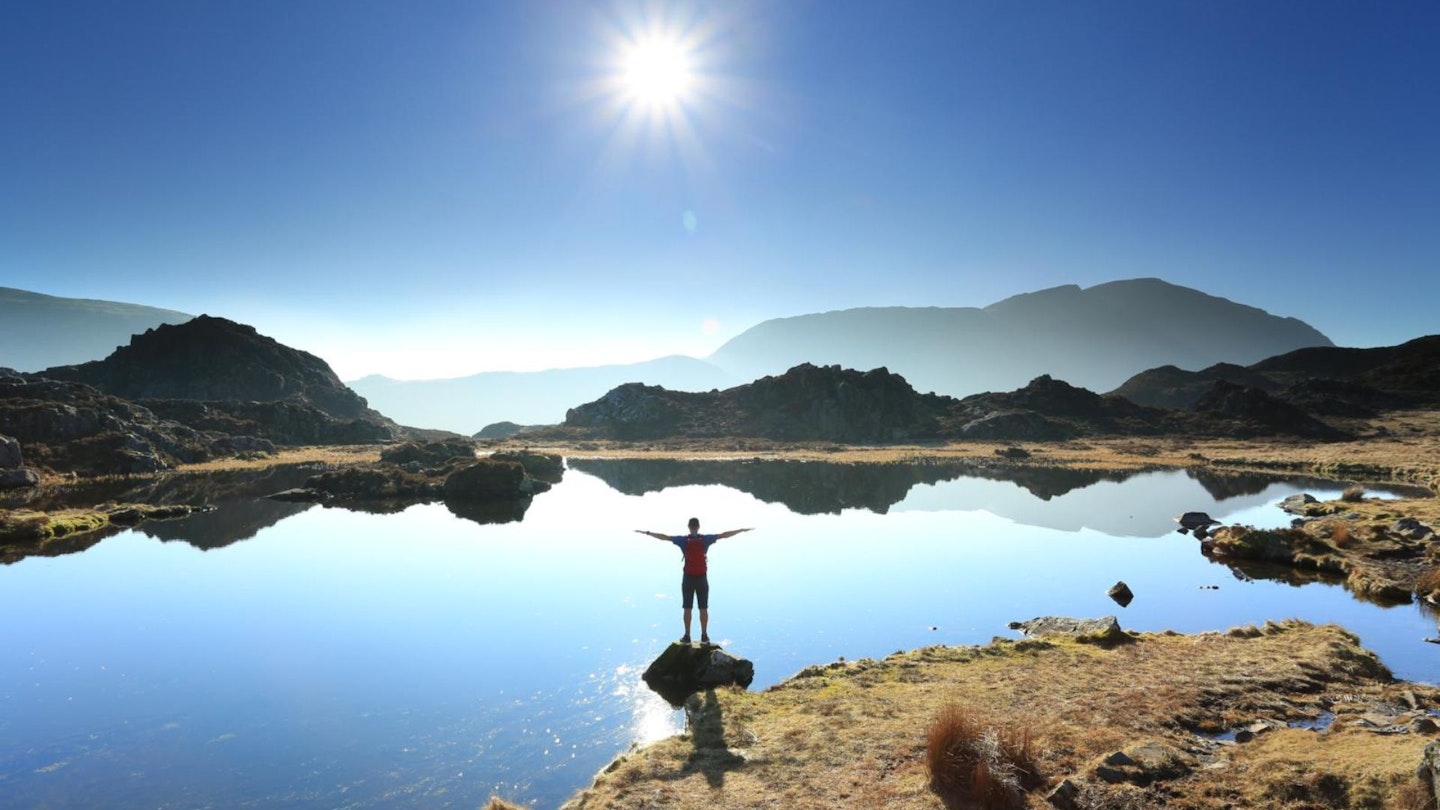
709	756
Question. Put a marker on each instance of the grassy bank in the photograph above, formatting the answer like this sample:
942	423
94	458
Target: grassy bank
1139	724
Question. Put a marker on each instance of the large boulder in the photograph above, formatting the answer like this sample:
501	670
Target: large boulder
1429	770
20	478
684	669
1104	631
10	457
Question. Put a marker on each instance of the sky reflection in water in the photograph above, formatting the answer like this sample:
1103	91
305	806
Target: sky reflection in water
345	659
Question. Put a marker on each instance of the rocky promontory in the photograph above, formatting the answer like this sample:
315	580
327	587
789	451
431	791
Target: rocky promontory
1285	715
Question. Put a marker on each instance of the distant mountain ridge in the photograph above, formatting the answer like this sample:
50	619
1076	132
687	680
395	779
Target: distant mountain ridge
1095	338
40	331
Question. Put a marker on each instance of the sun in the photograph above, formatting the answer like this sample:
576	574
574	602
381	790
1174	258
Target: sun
657	72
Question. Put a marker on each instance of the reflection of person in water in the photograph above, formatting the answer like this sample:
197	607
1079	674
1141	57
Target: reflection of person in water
694	584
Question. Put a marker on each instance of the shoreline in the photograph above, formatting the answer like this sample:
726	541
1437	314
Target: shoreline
1287	714
853	733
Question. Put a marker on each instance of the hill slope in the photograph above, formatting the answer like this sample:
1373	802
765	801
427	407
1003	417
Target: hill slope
1094	338
216	359
1332	380
39	331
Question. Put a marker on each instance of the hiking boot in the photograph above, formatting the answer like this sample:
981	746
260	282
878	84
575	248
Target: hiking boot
704	639
685	639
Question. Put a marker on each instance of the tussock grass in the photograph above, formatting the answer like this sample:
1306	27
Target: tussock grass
976	762
1428	583
1353	494
1341	536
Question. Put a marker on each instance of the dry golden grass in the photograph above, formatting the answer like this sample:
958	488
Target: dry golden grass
338	456
855	734
1428	583
973	760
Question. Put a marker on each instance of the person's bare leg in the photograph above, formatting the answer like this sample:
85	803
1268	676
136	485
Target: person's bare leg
687	622
704	625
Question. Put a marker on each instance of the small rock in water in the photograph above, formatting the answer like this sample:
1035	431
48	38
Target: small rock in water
1121	593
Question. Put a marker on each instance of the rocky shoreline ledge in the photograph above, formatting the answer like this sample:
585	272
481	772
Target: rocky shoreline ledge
1285	715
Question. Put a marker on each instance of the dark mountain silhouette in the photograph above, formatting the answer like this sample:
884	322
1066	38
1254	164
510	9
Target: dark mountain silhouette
1095	338
39	331
470	404
216	359
218	376
1322	380
831	404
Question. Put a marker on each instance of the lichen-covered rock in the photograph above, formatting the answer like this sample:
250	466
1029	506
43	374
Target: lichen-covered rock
1429	770
10	456
1104	630
1296	504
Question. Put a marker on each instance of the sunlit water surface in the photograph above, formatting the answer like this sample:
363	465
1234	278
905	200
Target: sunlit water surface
340	659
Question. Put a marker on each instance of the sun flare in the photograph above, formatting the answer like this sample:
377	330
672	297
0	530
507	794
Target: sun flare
657	72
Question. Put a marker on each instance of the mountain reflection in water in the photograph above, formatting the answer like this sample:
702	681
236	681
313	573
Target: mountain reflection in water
327	657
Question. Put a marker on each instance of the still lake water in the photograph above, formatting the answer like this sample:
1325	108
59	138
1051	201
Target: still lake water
279	654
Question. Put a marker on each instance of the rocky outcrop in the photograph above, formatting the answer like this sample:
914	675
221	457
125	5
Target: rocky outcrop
71	427
1321	380
547	467
416	456
211	359
684	669
1250	411
287	422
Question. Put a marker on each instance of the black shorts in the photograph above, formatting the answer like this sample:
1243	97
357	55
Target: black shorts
693	585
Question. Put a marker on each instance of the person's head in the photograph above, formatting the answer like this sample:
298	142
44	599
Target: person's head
694	525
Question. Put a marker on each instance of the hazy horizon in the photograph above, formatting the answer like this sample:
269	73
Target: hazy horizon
445	188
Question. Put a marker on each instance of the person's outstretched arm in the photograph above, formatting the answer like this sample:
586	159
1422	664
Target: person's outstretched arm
656	535
731	533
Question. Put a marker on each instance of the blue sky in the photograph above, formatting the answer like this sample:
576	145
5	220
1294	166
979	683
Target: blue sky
437	188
